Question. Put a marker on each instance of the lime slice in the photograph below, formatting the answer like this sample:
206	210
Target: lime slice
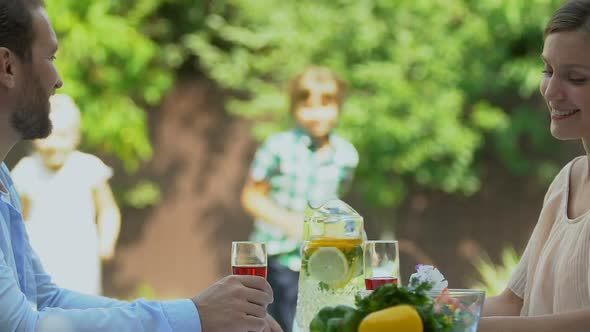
328	265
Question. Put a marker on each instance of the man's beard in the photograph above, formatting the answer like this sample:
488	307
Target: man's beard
31	116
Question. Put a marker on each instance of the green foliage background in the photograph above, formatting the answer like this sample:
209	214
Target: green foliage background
434	85
493	278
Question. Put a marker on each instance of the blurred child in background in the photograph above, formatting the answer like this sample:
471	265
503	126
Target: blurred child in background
71	216
307	163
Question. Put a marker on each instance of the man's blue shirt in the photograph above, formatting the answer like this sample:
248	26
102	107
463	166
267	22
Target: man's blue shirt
29	301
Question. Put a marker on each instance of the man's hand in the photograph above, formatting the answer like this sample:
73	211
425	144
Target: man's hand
235	304
271	325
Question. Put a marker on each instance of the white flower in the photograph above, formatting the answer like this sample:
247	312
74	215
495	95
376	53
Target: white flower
430	274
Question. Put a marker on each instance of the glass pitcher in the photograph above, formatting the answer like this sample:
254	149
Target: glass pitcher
332	260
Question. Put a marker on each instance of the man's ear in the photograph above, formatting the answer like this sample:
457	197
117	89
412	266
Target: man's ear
8	63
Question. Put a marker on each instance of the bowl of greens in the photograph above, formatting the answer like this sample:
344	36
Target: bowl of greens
461	307
425	305
448	310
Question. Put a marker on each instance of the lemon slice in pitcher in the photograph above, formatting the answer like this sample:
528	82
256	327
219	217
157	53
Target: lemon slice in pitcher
329	265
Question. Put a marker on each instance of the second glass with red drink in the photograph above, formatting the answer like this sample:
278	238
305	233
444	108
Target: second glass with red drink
381	263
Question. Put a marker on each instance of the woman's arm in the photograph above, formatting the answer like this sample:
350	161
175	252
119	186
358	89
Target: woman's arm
505	304
574	321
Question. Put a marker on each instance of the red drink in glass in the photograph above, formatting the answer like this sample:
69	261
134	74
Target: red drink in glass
373	283
250	270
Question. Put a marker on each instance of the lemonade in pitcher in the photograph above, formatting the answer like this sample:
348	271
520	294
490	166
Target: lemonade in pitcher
332	260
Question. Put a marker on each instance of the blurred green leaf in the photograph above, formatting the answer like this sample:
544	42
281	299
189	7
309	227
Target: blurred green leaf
494	278
433	84
144	194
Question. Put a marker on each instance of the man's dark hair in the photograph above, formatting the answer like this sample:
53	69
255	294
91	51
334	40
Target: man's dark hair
16	26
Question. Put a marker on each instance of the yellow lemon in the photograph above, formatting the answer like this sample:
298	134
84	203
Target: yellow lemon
329	265
401	318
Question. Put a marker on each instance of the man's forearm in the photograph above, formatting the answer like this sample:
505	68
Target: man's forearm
574	321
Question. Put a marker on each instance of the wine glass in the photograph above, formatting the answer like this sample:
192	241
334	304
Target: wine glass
381	263
248	258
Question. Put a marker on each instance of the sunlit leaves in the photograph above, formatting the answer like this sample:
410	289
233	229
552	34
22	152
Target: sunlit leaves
432	83
427	78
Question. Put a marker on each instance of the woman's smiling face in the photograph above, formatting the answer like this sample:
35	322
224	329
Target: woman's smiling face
566	84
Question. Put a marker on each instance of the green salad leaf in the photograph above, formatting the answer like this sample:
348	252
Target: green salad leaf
347	319
416	295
